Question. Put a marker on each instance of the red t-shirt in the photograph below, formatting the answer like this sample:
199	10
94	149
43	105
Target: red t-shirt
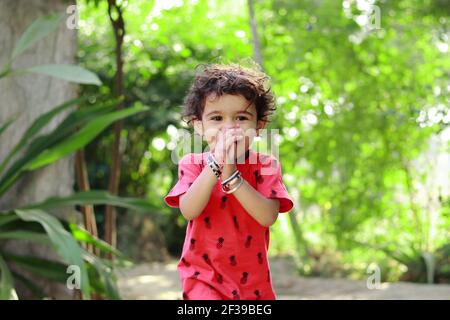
225	250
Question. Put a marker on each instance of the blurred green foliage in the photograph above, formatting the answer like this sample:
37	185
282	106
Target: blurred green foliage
357	107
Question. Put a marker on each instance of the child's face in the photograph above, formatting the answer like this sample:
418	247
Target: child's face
225	112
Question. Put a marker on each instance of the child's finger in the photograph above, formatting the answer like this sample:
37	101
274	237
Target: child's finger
233	142
234	149
229	136
233	138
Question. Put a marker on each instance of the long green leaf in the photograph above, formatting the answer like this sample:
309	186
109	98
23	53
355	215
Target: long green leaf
106	277
84	236
103	281
35	289
37	125
80	138
72	73
38	30
398	256
36	237
94	197
6	281
6	125
7	218
63	241
48	269
76	119
80	234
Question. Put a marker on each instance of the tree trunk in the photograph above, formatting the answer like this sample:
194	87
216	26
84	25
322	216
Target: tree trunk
27	97
116	18
88	210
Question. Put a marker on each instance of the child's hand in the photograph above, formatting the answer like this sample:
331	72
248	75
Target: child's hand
230	145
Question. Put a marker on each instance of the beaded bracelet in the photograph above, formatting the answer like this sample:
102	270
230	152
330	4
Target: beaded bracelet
215	167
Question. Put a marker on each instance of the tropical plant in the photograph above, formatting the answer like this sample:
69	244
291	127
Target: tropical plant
36	222
38	30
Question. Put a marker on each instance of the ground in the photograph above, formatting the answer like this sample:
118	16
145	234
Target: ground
160	281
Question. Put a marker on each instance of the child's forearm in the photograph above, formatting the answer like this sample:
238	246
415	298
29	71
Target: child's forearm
263	210
195	199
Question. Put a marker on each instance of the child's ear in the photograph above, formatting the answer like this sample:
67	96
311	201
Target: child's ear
198	127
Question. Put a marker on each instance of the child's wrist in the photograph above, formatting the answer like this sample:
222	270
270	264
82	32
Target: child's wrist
228	170
215	166
233	182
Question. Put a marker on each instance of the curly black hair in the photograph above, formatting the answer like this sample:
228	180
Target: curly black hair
234	79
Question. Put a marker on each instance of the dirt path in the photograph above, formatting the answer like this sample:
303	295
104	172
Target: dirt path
160	281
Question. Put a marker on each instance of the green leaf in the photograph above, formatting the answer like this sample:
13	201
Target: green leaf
48	269
27	236
94	197
62	240
105	279
37	292
7	218
6	281
80	138
6	125
37	125
38	30
71	73
82	235
68	127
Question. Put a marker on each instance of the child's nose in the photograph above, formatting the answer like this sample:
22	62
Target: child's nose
231	126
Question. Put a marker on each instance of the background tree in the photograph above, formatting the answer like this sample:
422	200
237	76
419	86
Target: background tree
28	96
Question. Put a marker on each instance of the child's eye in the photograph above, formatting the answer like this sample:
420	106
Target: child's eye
218	118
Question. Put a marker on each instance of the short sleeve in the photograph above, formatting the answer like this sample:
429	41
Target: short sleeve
188	171
270	183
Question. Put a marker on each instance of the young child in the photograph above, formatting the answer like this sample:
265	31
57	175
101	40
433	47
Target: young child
230	195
